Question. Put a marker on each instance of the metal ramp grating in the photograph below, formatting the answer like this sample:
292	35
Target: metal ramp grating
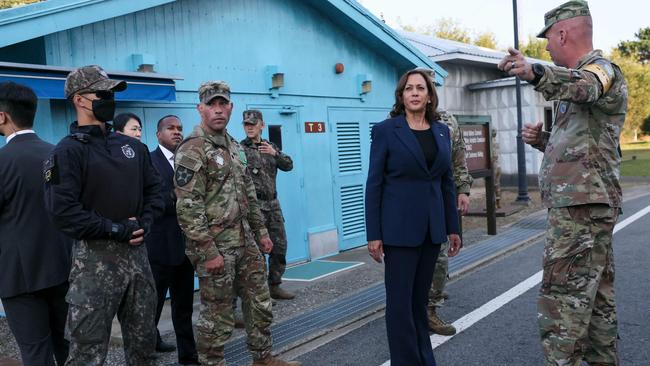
313	322
308	325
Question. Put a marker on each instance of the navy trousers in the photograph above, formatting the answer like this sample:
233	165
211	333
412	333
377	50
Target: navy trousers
408	275
37	320
179	280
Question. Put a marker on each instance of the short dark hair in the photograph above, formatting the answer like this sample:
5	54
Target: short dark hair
120	121
18	101
431	113
165	117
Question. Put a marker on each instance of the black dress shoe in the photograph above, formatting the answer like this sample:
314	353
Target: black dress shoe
163	346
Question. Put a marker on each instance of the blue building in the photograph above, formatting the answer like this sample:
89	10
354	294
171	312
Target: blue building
321	71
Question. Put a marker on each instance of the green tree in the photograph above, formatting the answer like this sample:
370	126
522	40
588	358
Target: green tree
535	48
486	39
645	126
5	4
637	75
448	28
639	48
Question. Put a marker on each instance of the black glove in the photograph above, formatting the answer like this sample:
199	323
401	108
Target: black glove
145	225
123	231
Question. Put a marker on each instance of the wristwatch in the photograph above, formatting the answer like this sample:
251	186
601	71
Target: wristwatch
538	71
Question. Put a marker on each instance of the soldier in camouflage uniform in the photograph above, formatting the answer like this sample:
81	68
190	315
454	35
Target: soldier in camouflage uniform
463	181
579	183
102	190
218	211
496	166
264	160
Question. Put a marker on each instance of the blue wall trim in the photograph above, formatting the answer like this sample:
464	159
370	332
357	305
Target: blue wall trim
50	85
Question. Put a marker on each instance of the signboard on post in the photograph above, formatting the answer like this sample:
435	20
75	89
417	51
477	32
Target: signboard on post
476	134
477	146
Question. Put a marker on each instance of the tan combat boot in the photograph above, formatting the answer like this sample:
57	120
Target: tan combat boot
272	361
438	326
279	293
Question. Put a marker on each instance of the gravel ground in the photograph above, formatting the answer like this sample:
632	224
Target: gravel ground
8	346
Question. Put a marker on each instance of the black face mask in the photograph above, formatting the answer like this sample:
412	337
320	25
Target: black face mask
103	108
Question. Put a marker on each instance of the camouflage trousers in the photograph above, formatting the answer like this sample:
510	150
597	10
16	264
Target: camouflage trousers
244	276
497	182
274	222
439	277
109	278
576	305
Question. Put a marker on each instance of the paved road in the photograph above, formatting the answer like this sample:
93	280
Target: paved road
509	335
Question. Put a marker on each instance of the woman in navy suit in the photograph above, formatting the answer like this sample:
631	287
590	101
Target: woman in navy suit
410	211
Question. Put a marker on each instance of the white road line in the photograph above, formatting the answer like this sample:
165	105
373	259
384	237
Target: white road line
493	305
621	225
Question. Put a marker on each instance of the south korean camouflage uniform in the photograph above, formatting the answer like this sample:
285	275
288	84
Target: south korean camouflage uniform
263	169
95	180
463	181
218	211
579	183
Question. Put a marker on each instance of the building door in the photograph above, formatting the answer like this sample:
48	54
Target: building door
350	155
281	128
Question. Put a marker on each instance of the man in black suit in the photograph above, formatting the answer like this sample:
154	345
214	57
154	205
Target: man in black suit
34	255
171	268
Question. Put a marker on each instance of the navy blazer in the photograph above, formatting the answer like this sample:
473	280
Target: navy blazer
404	198
33	254
166	242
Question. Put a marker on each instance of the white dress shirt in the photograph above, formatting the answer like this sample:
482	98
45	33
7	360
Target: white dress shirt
168	154
21	132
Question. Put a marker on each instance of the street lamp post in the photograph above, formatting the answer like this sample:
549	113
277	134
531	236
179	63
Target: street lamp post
522	195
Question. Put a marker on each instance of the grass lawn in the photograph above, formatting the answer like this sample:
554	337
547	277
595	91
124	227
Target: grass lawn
636	167
635	145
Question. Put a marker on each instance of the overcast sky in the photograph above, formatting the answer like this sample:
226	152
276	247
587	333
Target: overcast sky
614	20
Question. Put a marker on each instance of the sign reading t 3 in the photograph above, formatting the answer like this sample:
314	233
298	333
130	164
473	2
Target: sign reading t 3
314	127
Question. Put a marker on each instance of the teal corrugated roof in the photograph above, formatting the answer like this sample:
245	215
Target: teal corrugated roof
39	19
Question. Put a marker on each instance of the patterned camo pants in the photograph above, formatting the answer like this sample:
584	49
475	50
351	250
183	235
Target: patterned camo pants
244	275
439	277
576	305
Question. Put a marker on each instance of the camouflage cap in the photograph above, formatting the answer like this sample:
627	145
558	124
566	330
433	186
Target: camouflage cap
212	89
89	79
568	10
252	117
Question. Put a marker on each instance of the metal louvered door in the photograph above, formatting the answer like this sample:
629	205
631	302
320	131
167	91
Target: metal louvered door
350	153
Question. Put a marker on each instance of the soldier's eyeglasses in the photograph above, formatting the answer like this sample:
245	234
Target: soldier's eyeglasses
105	94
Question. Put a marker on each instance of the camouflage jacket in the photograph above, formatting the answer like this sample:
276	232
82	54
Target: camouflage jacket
462	178
263	168
215	196
581	161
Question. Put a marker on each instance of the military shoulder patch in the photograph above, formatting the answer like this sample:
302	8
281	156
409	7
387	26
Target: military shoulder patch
186	167
604	73
50	170
242	157
183	176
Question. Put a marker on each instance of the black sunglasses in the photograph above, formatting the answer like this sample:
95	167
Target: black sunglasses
103	94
